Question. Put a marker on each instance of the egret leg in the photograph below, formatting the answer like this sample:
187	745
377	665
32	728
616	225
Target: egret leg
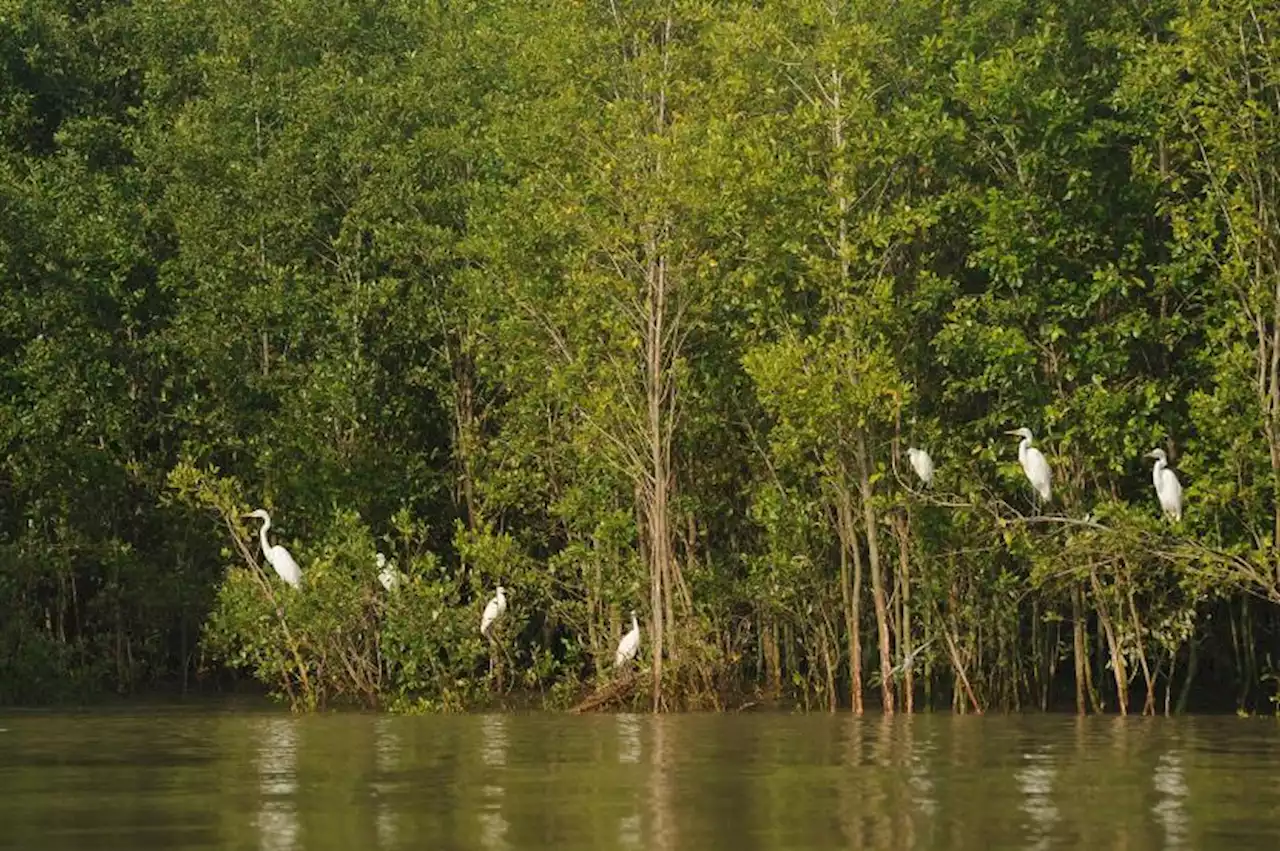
499	666
496	652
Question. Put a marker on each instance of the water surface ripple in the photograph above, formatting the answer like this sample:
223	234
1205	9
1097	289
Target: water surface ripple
236	780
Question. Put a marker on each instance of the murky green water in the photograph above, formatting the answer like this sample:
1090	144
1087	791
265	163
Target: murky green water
199	780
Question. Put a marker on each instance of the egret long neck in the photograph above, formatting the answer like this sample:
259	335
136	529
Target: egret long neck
1023	448
262	533
635	624
1159	468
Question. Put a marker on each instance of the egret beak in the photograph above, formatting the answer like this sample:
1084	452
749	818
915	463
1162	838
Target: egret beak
1015	433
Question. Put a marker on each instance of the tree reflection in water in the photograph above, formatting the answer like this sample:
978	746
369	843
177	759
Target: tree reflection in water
493	754
1035	779
1171	807
387	749
277	759
661	758
629	752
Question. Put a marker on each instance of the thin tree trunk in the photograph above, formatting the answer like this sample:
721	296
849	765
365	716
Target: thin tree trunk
852	595
828	663
1149	704
928	635
958	665
904	637
464	440
1271	407
1250	648
1113	646
846	599
877	575
659	478
660	403
1079	651
1184	694
595	611
772	656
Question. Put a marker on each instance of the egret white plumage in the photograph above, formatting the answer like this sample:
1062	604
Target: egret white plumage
277	556
493	611
1033	464
922	464
629	644
1168	488
389	577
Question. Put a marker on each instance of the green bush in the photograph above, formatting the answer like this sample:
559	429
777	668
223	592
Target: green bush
342	638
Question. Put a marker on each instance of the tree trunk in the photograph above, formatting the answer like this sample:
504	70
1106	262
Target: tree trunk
877	575
957	665
1113	645
1184	694
772	655
852	595
828	639
660	346
1149	704
658	484
904	636
1079	651
464	436
595	611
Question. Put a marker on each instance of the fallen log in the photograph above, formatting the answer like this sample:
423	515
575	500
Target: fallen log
612	692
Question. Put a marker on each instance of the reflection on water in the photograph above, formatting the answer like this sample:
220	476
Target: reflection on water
493	830
918	779
661	759
493	737
277	780
629	832
629	750
187	780
1035	779
493	753
387	746
1170	807
628	738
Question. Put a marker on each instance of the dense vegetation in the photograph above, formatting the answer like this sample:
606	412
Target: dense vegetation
639	305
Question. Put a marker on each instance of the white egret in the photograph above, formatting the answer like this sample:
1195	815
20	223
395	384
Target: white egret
389	577
278	557
1033	463
629	644
1168	488
493	611
922	464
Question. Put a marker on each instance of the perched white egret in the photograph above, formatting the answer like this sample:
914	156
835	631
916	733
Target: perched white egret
277	555
1168	489
922	464
493	611
389	577
1033	463
629	644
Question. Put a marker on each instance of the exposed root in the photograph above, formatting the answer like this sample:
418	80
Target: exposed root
614	692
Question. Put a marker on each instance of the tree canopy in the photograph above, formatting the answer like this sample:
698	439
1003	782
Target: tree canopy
640	305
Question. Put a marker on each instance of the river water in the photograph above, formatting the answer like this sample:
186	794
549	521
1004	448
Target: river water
257	780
